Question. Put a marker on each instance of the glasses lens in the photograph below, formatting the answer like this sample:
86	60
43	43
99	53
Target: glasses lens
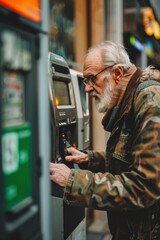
90	79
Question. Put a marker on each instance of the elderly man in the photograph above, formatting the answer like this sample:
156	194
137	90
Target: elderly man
125	179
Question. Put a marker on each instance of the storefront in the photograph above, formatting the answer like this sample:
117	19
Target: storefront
142	34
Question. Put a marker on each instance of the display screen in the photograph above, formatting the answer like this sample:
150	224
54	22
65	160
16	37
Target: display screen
83	94
61	93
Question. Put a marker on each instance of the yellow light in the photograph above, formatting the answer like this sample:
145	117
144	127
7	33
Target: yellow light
151	26
156	30
57	101
148	18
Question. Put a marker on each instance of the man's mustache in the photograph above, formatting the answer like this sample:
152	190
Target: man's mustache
94	94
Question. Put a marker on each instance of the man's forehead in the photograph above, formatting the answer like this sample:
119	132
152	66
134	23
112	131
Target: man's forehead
93	60
94	54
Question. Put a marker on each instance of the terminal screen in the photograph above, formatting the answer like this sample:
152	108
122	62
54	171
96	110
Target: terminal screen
61	93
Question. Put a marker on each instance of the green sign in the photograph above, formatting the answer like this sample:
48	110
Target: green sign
16	163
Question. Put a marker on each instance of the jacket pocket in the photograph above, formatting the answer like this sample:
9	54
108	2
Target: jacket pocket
120	156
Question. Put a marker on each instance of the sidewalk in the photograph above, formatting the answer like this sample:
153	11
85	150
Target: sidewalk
98	230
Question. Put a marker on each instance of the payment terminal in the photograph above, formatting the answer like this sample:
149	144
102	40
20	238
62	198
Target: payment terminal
64	133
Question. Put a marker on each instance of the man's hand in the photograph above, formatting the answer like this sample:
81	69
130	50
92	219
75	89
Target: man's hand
76	156
59	173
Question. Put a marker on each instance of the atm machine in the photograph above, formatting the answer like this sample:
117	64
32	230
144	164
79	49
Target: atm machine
82	103
68	221
20	158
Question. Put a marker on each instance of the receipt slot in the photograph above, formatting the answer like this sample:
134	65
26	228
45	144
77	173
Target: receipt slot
68	221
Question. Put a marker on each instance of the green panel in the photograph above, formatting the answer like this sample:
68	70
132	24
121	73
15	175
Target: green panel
16	162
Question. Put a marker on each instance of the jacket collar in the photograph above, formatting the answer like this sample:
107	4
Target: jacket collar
112	119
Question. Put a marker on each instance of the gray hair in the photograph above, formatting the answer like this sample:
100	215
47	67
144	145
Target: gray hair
112	54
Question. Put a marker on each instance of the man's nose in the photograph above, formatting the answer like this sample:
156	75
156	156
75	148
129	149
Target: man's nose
88	88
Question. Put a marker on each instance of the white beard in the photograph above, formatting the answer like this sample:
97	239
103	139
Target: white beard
102	102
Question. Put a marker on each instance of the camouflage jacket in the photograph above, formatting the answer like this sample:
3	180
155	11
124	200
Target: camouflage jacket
125	180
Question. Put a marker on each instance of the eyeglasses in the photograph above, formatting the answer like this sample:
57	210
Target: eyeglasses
92	78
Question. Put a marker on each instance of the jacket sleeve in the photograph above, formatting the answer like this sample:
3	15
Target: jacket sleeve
139	187
96	161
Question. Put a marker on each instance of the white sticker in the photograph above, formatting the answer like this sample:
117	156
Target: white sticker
10	154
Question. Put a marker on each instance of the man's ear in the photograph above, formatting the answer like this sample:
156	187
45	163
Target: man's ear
118	72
